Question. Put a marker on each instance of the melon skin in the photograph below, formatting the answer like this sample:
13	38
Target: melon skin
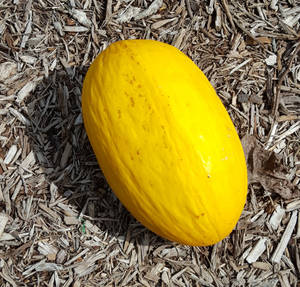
164	141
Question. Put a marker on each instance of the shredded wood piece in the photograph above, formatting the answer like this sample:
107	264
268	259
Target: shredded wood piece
75	29
10	154
19	116
3	222
152	9
262	265
257	250
128	14
27	31
276	257
81	17
293	205
239	66
7	70
277	217
48	250
25	91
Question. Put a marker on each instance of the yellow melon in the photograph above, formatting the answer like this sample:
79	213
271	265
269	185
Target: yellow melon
164	141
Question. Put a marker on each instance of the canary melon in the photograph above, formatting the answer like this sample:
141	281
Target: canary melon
164	141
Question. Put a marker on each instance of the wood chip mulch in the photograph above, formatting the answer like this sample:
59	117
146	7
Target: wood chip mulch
60	224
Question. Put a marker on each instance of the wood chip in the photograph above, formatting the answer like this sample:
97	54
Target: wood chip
81	17
47	250
3	222
7	70
257	250
271	60
25	91
75	29
293	205
19	116
152	9
10	154
66	154
276	257
262	265
277	217
71	220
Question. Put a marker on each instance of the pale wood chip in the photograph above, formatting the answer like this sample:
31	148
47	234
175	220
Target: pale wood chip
59	28
75	29
47	250
28	59
7	70
10	154
3	222
61	256
276	257
49	211
25	91
19	116
28	161
6	275
127	14
277	217
273	5
83	252
152	9
262	265
81	17
6	237
161	23
71	220
179	38
257	250
27	31
293	205
88	265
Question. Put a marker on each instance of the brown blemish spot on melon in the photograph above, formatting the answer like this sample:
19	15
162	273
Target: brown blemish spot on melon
119	114
198	216
140	95
132	101
131	157
166	145
139	86
138	152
